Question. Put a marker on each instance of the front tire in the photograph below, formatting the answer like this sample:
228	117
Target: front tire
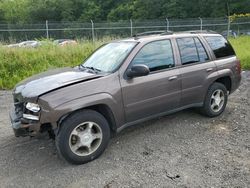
83	136
215	101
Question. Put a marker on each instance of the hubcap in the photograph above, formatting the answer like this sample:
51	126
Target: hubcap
85	138
217	100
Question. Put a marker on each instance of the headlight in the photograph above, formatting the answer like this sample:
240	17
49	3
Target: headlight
33	107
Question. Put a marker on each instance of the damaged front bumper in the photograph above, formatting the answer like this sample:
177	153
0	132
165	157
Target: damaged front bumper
22	126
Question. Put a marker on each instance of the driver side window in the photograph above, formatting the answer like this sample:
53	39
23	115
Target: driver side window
156	55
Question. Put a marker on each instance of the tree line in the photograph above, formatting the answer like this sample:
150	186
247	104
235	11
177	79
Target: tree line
34	11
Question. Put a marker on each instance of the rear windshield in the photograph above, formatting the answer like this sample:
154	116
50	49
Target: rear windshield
220	46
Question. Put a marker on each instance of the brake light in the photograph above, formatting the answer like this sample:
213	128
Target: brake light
238	66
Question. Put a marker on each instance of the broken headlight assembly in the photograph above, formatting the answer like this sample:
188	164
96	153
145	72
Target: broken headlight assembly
33	107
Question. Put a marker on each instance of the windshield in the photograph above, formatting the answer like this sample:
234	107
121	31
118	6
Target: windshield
109	57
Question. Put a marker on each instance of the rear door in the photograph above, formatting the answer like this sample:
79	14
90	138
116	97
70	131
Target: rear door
157	92
196	68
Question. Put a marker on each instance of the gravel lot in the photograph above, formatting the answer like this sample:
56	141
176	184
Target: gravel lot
180	150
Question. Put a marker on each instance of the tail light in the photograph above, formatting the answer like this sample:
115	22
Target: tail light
238	66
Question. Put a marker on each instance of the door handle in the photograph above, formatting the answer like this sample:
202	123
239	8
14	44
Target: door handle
172	78
209	69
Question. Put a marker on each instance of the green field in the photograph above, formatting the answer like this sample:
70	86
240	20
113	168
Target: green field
19	63
242	47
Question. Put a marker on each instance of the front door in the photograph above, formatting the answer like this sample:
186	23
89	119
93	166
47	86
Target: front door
157	92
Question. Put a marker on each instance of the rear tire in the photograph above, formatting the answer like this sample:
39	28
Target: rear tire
215	101
83	137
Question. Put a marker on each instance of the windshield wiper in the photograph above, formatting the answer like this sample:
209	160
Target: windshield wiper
91	68
95	69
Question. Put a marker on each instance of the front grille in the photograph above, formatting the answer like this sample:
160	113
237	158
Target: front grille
19	106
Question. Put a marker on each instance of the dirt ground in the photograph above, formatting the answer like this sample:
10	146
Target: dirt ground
180	150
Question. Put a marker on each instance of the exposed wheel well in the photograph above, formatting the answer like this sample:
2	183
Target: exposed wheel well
226	81
102	109
107	113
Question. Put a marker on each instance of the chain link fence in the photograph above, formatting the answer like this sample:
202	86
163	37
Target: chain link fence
94	31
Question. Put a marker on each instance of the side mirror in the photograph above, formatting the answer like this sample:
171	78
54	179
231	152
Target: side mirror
137	71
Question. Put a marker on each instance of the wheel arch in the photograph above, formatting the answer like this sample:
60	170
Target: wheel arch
103	109
224	76
226	81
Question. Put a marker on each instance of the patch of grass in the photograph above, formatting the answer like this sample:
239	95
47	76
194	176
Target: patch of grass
17	64
241	46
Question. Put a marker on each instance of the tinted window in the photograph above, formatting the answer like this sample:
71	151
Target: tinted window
188	50
220	46
201	51
156	55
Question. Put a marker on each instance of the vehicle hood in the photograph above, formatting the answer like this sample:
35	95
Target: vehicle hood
45	82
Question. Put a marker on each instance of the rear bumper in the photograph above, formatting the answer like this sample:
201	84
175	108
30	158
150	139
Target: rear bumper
21	126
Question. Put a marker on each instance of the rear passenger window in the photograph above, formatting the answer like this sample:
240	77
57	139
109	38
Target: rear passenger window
220	46
156	55
201	51
191	50
188	50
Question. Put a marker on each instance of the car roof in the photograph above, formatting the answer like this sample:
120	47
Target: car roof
148	36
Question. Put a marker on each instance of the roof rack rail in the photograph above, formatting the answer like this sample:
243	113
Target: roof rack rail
163	32
200	31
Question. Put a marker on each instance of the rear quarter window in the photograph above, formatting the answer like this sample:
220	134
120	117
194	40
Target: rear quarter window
220	46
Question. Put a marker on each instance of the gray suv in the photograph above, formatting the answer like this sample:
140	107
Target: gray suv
123	83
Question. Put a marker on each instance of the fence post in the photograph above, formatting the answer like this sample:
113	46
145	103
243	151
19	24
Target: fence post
47	29
93	31
167	24
131	27
228	26
201	25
